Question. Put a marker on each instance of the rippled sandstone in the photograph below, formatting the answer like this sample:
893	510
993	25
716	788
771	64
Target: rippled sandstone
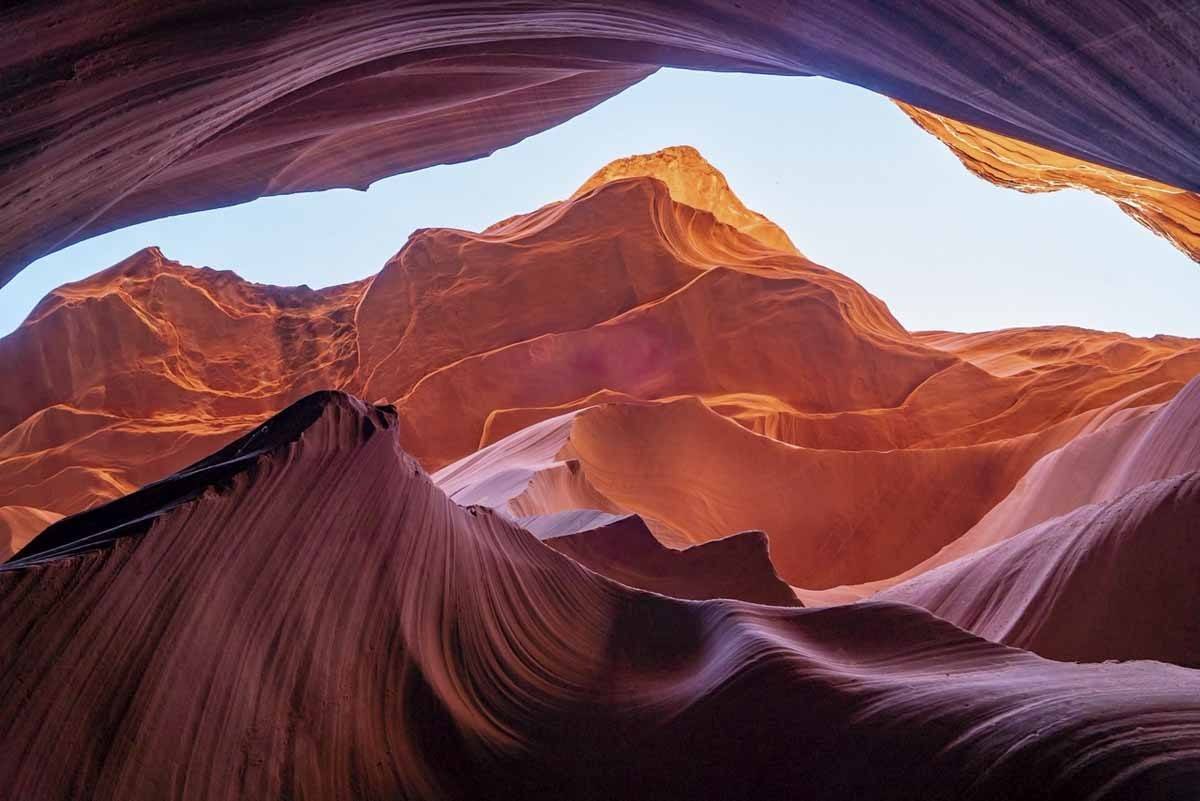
720	360
398	645
118	113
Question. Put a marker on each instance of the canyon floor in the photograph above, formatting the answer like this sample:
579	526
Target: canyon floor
596	502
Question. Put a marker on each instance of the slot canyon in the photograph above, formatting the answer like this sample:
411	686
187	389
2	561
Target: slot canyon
628	495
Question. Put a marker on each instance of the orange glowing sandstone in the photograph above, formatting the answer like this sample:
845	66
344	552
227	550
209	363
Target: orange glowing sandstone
713	379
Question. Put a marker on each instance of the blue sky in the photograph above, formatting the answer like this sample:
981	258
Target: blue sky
857	186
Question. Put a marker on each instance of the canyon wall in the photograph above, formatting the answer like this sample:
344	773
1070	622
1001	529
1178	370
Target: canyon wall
122	112
705	366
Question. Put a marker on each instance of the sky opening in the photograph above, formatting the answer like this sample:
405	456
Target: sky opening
857	186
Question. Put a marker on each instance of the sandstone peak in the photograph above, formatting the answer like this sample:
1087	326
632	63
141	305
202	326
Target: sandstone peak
693	181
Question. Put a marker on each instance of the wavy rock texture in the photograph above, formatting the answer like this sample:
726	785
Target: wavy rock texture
566	607
1109	581
121	112
830	513
1018	350
626	551
145	367
1170	212
1112	578
1129	450
721	363
395	644
847	513
694	182
527	476
1120	450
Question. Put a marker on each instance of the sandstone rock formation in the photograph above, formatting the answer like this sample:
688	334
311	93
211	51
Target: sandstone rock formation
117	113
706	361
626	551
1121	450
1108	581
134	372
395	644
258	592
20	524
1170	212
694	182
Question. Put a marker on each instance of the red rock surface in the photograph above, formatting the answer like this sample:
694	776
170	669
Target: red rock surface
1122	449
1131	448
1107	581
708	369
626	551
694	182
147	366
566	606
306	614
395	644
121	112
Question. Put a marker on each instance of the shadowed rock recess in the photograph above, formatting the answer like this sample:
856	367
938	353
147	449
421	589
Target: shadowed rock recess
622	497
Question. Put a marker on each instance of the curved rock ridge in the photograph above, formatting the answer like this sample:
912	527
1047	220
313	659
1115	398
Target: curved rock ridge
525	476
147	366
829	513
150	335
321	621
626	551
1013	351
1011	383
20	524
1118	452
628	241
530	478
697	476
702	339
694	182
726	343
694	340
173	361
133	514
1170	212
1107	581
122	113
1130	450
